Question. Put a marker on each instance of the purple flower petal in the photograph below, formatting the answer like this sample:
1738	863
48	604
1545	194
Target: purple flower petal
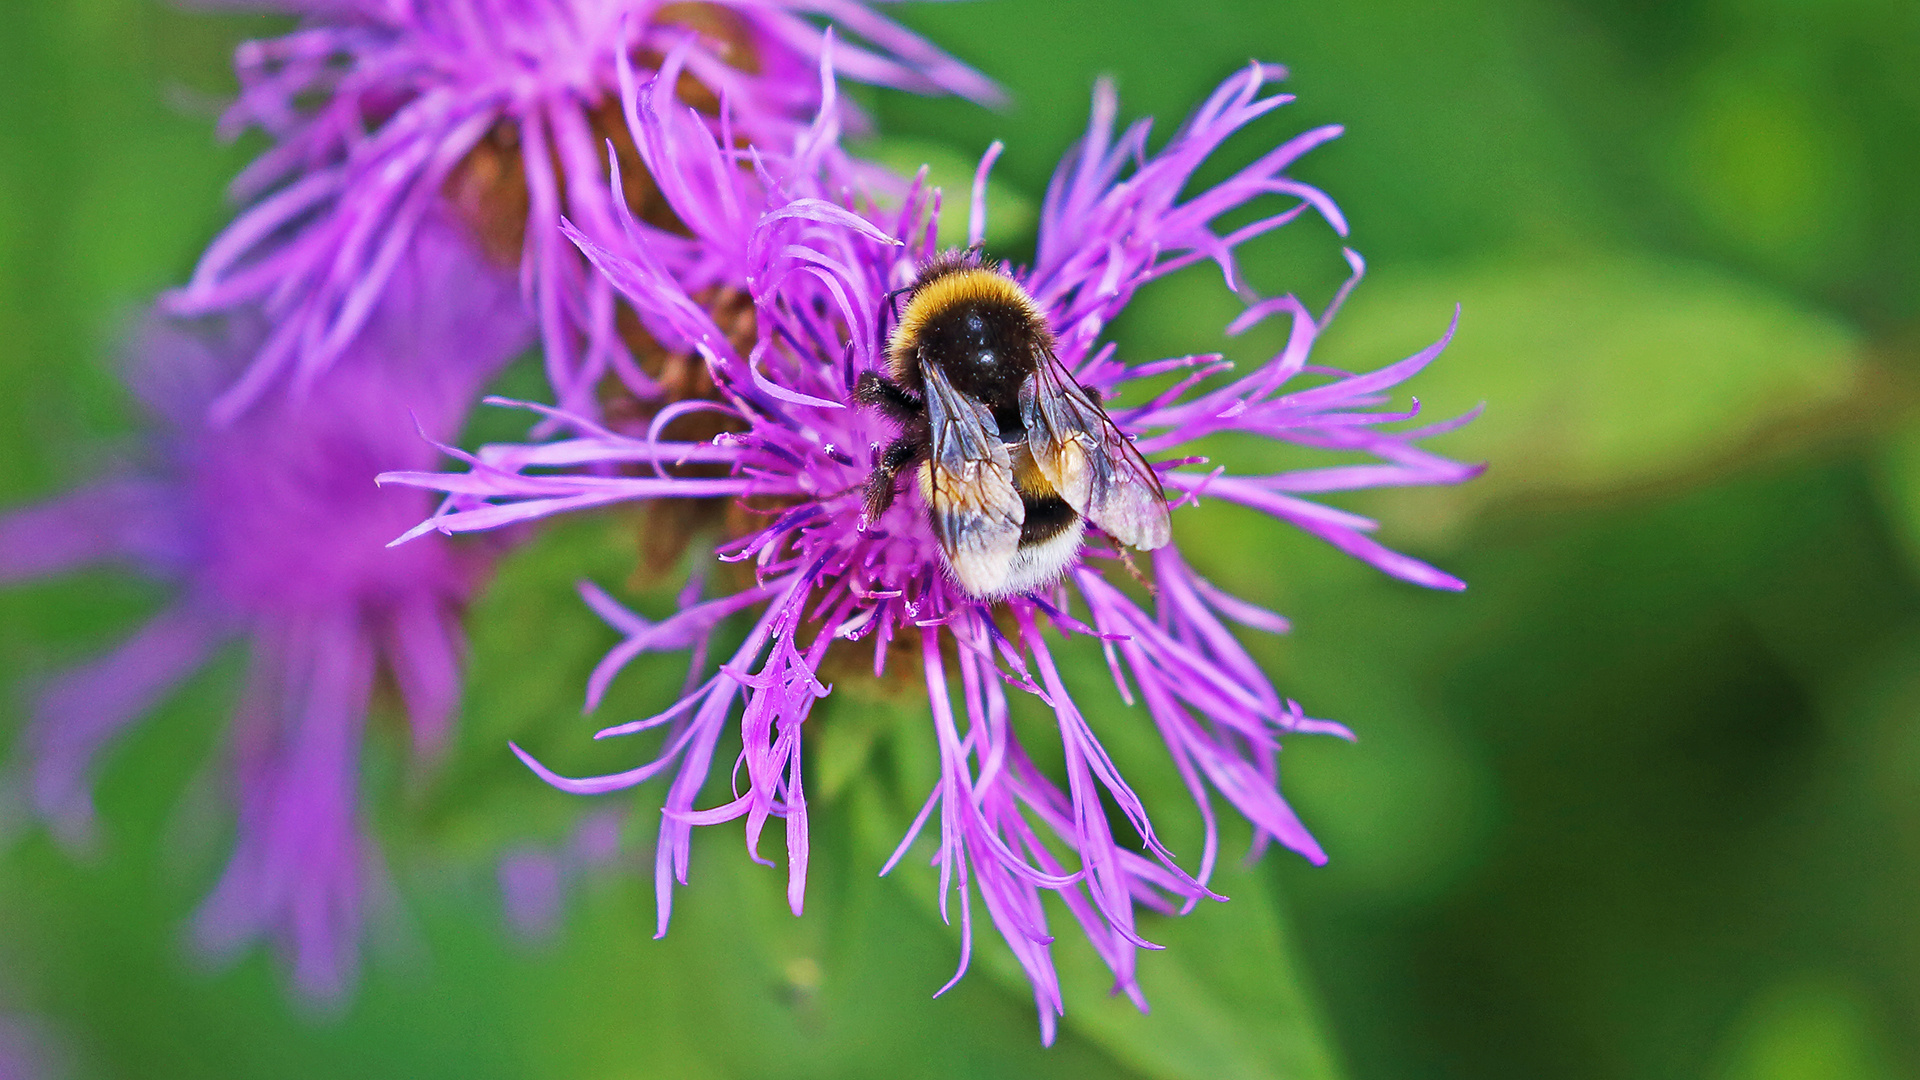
276	534
378	111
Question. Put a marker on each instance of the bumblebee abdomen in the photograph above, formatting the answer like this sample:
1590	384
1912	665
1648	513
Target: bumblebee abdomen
1047	518
1048	515
1027	477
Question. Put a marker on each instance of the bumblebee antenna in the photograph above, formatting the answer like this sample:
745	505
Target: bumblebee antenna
891	301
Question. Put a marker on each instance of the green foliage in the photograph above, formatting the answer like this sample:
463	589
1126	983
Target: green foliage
1643	802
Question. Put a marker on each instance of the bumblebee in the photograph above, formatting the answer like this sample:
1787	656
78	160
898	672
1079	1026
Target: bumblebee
1012	455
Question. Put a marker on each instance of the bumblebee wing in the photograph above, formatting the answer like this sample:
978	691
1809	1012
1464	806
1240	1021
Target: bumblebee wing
968	484
1089	461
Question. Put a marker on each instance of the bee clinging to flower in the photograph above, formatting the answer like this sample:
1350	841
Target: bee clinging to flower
1013	456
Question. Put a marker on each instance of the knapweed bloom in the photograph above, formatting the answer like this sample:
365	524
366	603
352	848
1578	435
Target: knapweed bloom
29	1049
383	111
819	262
275	534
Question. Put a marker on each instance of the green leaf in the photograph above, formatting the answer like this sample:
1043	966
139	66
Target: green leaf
1228	993
1605	373
1598	374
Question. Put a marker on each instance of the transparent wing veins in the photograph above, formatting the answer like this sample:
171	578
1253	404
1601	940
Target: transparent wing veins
975	510
1090	461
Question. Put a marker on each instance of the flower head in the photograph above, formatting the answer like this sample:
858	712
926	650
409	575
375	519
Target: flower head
818	262
502	109
275	533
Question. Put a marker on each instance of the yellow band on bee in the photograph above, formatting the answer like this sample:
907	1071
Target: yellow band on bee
959	287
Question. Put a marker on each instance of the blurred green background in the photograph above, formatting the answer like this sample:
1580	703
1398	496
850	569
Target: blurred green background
1644	802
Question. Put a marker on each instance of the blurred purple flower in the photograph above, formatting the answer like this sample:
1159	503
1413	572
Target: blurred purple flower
275	532
30	1050
817	262
380	111
534	878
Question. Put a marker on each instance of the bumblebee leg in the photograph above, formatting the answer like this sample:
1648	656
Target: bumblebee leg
888	396
900	454
1126	557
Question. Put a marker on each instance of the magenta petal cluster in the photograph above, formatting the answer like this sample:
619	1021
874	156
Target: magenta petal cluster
373	106
817	259
275	533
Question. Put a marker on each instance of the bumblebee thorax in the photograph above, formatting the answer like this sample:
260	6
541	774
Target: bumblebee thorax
979	325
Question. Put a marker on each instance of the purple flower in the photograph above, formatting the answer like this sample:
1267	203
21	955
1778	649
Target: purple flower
503	109
30	1050
534	878
275	532
817	260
